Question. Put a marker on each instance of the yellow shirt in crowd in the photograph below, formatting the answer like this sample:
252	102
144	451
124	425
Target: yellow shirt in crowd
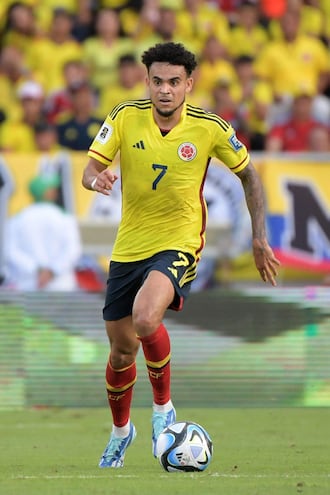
282	64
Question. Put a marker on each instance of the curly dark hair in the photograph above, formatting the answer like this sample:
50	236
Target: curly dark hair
172	53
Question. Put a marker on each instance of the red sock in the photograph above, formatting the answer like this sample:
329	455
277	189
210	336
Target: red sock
157	353
120	391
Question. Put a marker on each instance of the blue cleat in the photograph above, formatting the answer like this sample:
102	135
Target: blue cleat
159	422
113	456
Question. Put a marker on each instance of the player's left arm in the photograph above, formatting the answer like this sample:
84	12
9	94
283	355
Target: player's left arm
264	257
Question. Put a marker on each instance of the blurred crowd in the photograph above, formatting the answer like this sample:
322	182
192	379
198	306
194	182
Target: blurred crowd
263	66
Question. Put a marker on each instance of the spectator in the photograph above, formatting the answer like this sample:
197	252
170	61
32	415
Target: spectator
76	128
74	73
226	105
197	20
130	85
166	28
47	55
51	161
294	135
130	12
17	134
20	26
213	66
42	242
13	72
108	207
45	136
141	23
295	57
84	18
102	51
255	101
314	19
248	36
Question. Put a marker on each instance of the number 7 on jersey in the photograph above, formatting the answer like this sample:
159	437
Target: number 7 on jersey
163	169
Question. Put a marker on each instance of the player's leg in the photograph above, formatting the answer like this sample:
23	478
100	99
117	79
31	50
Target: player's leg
124	281
121	369
151	302
120	379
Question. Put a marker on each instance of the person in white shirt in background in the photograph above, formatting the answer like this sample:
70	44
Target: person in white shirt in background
108	207
42	242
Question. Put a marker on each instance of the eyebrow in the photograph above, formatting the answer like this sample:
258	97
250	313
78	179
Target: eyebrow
171	79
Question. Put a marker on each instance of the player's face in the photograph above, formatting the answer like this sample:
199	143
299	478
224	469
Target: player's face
168	85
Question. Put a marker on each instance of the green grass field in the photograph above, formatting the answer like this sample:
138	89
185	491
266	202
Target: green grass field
256	452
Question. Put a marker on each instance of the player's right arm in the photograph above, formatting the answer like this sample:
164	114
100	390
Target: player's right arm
98	177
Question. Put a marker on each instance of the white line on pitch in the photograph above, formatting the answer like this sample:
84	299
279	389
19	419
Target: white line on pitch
220	475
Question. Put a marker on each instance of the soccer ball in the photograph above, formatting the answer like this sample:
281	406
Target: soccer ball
184	446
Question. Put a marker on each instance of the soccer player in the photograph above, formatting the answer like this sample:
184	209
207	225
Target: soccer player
165	146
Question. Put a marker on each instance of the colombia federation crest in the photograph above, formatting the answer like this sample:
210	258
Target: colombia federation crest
187	151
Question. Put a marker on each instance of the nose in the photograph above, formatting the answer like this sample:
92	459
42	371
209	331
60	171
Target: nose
165	88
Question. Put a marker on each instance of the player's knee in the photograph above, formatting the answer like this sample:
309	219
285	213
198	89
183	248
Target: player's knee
120	361
122	358
144	323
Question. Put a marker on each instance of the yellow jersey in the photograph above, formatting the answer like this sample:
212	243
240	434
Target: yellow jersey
162	176
282	64
17	136
243	42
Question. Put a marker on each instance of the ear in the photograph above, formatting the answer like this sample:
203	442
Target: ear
189	84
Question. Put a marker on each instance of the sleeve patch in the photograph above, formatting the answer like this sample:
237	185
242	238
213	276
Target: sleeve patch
235	143
104	134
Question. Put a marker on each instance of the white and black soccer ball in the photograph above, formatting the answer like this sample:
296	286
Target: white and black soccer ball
184	446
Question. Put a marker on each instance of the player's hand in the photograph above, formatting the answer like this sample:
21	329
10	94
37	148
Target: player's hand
265	261
104	182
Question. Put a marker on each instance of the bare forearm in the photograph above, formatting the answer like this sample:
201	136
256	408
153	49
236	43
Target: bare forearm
97	177
265	261
255	200
91	171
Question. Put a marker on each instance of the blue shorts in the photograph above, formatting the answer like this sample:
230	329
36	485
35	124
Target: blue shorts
125	279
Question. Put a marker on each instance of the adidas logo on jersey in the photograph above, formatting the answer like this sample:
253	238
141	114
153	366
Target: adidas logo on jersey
139	145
